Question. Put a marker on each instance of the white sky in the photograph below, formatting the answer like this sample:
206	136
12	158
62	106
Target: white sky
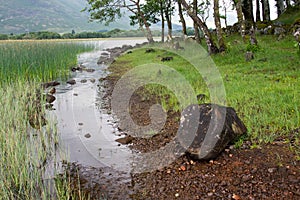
231	15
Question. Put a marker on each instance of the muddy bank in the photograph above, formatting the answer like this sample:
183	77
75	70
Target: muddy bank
268	172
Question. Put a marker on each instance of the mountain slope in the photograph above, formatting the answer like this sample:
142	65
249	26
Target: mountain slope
19	16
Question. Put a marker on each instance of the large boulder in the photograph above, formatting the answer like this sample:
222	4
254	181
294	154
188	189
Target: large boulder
205	130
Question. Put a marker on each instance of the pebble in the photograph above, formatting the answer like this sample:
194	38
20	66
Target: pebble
271	170
176	195
246	178
80	124
87	135
236	197
223	183
71	82
182	167
210	194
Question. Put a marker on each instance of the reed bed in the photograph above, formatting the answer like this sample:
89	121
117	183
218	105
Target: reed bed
38	61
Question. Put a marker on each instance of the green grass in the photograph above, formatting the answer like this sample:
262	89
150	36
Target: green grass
290	15
264	92
24	151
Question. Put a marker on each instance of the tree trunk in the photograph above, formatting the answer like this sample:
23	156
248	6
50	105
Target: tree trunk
182	20
247	9
288	3
196	27
168	18
241	21
225	12
212	48
143	19
258	19
266	10
280	7
162	22
222	46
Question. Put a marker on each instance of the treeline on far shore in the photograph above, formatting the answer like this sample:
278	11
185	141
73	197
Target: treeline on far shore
40	35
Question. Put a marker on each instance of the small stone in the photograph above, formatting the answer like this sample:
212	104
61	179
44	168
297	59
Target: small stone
75	94
182	167
176	195
246	178
50	98
168	171
223	183
236	197
83	81
87	135
271	170
126	140
230	155
93	80
210	194
52	91
249	56
71	82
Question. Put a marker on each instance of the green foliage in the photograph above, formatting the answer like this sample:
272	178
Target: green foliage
3	37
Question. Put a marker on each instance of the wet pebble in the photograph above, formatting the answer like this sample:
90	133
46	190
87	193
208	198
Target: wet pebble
92	80
83	81
87	135
71	82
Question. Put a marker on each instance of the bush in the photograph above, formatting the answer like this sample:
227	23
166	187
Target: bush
3	37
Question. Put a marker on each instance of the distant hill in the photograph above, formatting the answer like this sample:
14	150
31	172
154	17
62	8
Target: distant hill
62	16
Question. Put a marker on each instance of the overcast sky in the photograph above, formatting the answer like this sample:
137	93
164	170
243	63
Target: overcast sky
231	15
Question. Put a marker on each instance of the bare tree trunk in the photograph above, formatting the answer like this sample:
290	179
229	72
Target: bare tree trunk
258	19
162	22
266	10
143	19
212	48
241	21
225	12
222	46
247	9
280	7
182	20
196	27
168	18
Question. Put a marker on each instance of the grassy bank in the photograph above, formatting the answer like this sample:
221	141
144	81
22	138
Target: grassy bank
25	151
265	91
